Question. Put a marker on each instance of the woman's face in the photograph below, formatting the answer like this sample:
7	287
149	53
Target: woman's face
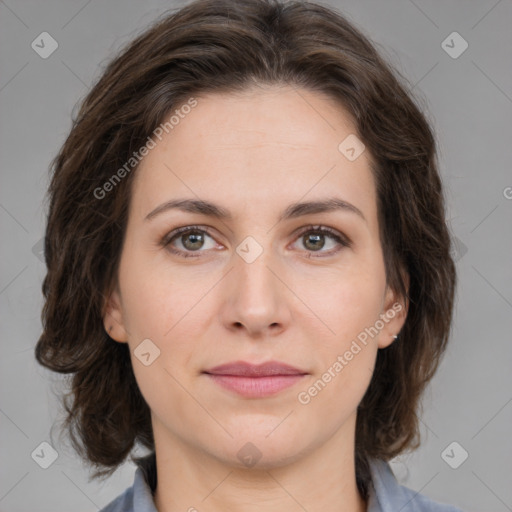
259	284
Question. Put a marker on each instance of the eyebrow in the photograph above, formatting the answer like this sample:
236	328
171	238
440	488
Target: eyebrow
293	211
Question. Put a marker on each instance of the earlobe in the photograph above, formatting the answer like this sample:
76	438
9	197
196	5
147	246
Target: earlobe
113	321
393	316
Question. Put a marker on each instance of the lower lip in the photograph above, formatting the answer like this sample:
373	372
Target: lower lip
256	387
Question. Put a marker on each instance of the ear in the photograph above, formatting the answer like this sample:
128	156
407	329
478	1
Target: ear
113	317
394	314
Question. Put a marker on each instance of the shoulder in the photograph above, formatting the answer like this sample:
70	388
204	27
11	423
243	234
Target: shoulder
137	498
123	503
388	495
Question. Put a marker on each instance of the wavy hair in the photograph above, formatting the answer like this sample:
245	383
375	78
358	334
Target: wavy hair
225	46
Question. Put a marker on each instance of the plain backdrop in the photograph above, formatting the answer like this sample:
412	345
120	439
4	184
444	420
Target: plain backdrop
467	97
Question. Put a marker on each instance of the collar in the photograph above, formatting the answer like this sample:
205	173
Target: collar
385	495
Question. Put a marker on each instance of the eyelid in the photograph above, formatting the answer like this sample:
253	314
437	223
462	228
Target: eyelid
336	235
184	229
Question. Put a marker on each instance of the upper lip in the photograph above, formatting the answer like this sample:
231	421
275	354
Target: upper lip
244	369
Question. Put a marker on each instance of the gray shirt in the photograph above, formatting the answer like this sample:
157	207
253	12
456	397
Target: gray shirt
385	495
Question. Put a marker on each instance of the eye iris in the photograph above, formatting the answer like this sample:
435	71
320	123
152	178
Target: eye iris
319	242
195	238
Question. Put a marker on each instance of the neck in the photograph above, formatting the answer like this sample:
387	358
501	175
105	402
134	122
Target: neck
193	480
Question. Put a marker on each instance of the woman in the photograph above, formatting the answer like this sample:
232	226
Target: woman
249	270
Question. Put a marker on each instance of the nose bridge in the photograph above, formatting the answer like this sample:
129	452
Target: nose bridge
252	272
257	298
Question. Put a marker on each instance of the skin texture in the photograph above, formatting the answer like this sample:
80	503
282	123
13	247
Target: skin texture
254	153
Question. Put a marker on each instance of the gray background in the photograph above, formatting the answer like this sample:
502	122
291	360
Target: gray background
469	101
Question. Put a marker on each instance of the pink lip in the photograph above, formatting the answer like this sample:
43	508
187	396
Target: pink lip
255	381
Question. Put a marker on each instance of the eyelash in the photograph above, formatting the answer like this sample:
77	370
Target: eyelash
335	235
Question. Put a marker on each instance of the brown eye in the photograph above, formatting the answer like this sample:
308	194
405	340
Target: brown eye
192	241
188	240
316	238
314	242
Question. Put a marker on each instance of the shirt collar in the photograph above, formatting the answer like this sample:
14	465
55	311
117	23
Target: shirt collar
385	493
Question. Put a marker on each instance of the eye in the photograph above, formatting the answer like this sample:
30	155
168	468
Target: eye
190	238
187	240
314	239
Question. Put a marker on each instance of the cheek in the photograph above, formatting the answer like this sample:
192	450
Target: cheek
346	304
345	360
154	300
163	309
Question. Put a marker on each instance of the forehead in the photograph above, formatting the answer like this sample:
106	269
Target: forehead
265	144
266	115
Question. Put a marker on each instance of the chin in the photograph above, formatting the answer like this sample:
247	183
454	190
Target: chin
261	448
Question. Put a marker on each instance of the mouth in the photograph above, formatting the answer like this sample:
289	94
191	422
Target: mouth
255	381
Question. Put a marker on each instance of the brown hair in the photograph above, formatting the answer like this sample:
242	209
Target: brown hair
226	46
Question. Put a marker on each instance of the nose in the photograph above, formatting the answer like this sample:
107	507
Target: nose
256	298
